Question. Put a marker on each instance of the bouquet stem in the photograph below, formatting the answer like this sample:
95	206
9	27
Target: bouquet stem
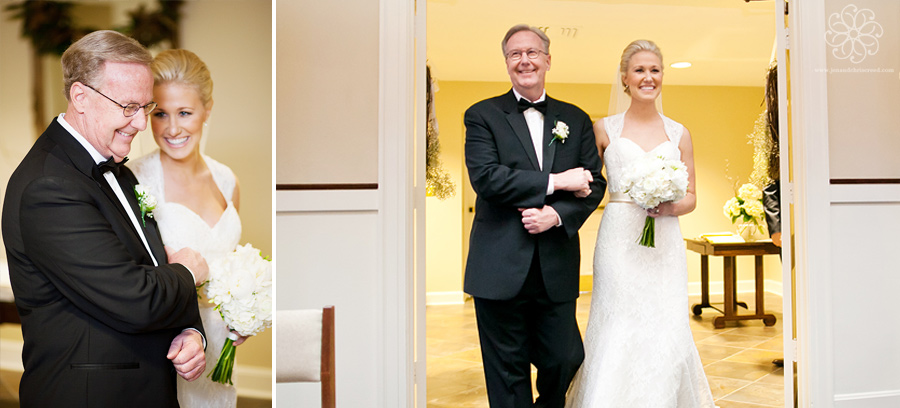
225	365
649	233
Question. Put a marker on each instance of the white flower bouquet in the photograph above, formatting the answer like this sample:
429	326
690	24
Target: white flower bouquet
652	180
746	205
240	284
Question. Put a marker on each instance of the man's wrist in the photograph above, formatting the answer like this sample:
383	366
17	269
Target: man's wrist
198	332
193	277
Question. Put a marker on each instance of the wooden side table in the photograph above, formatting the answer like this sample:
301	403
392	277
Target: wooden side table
728	251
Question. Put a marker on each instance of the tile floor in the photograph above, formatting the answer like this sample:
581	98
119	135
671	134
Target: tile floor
737	358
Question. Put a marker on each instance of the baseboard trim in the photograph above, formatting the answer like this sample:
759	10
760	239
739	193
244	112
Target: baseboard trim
457	297
743	286
586	285
868	399
253	381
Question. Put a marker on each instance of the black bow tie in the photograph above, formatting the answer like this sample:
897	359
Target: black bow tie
111	165
541	106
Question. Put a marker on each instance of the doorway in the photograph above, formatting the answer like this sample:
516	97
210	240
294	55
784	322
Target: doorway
729	55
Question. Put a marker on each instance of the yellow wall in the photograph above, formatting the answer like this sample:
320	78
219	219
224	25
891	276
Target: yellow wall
719	119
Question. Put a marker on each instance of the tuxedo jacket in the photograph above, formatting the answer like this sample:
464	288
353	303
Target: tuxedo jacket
97	316
505	174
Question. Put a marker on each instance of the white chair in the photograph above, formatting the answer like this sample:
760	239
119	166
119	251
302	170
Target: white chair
304	346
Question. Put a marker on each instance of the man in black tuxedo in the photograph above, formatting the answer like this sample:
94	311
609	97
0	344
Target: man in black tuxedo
533	162
107	321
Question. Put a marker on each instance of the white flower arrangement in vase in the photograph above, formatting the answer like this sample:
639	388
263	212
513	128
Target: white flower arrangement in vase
746	210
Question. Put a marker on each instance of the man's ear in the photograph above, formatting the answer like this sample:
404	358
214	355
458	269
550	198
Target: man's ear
78	97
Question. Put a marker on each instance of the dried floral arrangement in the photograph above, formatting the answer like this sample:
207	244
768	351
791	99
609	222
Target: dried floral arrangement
437	180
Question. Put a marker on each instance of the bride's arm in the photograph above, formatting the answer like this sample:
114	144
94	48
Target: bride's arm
689	202
236	195
602	141
601	136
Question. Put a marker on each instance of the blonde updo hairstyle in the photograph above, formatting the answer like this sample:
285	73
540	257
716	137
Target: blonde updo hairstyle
186	68
635	47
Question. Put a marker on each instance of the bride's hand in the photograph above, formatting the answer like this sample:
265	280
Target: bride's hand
240	340
661	210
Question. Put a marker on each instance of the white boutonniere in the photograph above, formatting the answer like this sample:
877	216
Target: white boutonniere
560	132
146	201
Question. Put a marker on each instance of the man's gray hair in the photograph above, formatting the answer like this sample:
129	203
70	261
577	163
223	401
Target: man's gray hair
525	27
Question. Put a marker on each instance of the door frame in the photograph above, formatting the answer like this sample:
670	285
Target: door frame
401	155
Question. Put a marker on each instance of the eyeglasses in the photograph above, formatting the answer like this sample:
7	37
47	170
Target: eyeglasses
132	108
517	55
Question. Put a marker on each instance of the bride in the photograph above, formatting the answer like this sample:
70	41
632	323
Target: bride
197	197
639	351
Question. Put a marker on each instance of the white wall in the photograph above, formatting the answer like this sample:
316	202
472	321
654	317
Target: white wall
327	255
845	237
863	96
328	55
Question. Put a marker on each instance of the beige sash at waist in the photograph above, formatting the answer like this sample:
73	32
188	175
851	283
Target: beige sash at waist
619	197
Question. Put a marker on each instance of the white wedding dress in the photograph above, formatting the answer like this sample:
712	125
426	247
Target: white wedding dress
180	227
639	351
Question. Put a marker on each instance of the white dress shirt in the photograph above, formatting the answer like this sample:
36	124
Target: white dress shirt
535	120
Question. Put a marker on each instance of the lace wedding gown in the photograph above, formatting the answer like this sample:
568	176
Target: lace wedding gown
180	227
639	351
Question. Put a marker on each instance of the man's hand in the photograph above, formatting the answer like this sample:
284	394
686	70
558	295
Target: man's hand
576	180
186	353
776	239
583	193
537	221
192	260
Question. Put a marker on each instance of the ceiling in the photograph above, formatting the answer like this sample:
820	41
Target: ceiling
729	42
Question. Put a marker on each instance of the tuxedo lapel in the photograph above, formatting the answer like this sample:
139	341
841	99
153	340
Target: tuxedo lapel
155	241
550	120
147	223
110	194
517	121
75	153
128	190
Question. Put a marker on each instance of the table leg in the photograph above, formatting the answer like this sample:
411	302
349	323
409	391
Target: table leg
704	279
735	285
704	286
728	263
768	319
760	294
